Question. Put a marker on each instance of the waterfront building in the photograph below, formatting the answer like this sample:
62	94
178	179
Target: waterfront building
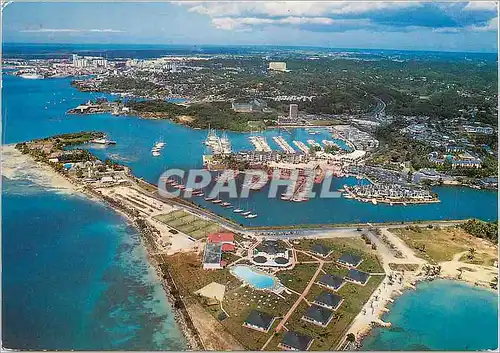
259	320
294	341
357	277
318	315
293	111
329	300
332	282
350	260
277	66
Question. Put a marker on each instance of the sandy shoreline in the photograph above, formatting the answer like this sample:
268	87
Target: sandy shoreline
17	166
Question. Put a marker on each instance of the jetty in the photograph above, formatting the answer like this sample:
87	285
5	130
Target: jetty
280	141
302	146
260	143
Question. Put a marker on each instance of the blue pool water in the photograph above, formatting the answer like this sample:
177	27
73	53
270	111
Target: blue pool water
255	279
439	315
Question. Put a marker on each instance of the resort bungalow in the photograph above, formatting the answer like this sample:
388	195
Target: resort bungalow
293	341
332	282
350	260
357	277
321	250
318	315
329	300
272	253
260	321
212	257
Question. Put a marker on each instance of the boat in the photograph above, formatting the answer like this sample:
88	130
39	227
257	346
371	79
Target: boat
210	198
155	153
31	75
253	215
217	201
246	213
103	141
238	210
225	204
374	201
347	196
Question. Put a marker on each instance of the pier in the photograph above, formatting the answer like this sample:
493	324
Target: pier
283	144
302	146
260	143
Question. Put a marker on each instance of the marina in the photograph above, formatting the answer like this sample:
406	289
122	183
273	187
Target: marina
260	143
283	144
218	144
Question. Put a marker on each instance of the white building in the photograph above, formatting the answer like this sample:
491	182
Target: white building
277	66
294	111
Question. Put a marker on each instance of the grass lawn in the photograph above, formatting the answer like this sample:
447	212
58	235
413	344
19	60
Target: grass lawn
437	245
189	224
239	301
298	277
327	338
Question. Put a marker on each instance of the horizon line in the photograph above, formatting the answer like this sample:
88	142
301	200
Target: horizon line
258	45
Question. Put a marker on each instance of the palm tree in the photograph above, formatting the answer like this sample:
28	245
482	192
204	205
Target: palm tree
472	251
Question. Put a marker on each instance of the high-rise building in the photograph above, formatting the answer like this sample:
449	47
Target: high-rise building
294	111
277	66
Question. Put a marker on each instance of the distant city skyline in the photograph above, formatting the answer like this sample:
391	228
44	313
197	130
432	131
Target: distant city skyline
455	26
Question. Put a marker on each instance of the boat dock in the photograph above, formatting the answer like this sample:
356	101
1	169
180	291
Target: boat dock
219	145
260	143
283	144
302	146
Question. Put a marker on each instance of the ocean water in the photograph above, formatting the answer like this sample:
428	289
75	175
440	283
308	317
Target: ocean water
439	315
37	108
75	276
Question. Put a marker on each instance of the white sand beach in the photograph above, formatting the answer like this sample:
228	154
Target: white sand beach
17	166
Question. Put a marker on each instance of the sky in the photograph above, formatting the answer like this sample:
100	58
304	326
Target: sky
440	26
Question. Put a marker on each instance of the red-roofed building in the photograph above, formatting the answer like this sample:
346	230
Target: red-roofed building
221	238
227	247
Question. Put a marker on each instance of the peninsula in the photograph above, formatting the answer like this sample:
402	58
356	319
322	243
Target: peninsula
234	287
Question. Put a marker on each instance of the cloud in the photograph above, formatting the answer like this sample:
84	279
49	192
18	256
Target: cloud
292	8
335	16
490	26
481	6
71	30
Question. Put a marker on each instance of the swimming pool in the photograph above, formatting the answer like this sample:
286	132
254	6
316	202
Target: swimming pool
254	278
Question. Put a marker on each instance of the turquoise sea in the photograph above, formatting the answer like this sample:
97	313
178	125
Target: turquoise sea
74	275
439	315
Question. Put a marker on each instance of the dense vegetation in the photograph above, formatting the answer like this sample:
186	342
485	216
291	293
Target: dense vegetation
481	229
217	115
396	148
